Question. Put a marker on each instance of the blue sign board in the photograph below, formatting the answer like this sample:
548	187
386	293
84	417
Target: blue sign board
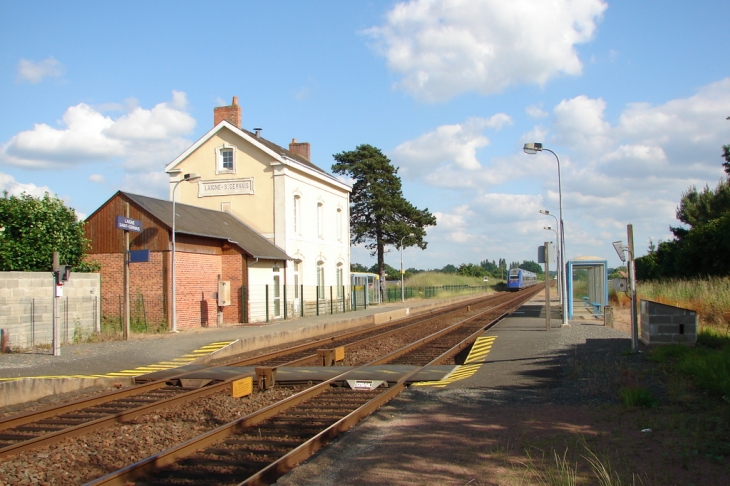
139	256
129	224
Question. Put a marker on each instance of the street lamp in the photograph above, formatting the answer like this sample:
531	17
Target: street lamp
187	177
560	255
533	148
402	289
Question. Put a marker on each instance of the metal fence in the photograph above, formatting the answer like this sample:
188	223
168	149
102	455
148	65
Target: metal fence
147	312
27	322
267	303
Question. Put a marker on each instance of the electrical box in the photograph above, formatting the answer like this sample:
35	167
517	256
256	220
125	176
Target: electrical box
620	284
224	293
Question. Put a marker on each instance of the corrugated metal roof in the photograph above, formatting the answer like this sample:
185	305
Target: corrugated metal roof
192	220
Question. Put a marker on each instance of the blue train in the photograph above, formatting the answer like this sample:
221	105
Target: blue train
519	279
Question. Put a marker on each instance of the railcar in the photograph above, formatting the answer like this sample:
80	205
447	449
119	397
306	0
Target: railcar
518	279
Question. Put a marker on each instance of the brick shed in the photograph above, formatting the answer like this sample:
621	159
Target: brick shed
211	246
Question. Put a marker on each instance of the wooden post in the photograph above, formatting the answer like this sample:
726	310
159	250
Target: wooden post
632	289
125	331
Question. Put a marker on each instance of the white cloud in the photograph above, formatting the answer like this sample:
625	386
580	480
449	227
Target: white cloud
445	48
34	72
446	147
536	112
152	184
138	138
14	188
97	178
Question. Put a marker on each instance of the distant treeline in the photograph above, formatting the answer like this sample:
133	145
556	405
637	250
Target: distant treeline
485	268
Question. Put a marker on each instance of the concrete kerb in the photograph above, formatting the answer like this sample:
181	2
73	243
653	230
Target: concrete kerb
29	389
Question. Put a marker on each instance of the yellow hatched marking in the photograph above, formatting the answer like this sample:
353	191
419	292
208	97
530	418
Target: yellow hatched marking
163	365
477	357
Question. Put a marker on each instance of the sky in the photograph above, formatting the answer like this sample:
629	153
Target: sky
632	98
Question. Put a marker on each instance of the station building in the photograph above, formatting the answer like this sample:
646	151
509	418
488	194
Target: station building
247	186
276	191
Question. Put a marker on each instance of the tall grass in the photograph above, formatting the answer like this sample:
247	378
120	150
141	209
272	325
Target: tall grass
709	297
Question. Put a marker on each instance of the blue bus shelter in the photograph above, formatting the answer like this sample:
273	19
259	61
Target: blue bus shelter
595	297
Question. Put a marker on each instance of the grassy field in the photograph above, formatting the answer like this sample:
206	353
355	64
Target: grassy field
710	298
433	279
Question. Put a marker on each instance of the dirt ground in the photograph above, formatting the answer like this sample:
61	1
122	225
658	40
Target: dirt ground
470	437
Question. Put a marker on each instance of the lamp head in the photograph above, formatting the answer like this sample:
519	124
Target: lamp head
544	211
532	147
548	228
191	177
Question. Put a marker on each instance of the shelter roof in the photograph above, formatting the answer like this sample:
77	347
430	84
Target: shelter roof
196	221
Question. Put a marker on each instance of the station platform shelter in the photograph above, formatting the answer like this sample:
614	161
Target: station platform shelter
587	287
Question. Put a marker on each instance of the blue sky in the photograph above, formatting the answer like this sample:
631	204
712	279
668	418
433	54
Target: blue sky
632	96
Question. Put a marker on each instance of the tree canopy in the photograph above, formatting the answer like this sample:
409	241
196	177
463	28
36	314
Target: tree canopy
31	229
379	214
702	247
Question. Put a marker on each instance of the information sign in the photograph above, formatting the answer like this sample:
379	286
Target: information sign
242	387
129	224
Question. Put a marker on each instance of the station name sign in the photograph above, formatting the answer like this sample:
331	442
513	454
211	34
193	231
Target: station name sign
129	224
226	187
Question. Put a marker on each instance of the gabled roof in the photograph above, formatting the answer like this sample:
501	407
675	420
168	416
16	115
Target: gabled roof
192	220
277	152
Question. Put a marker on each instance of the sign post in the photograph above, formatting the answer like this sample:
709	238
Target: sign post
127	224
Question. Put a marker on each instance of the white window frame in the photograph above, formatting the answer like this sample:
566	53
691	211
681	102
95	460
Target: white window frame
320	219
320	279
219	159
297	214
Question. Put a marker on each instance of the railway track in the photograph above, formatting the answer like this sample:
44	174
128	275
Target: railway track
50	425
261	447
444	345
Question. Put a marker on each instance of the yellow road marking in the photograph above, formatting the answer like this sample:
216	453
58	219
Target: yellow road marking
477	356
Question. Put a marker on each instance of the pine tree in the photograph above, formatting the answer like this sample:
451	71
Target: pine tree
379	214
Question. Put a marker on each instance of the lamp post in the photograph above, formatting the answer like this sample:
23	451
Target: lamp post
531	149
186	177
402	289
560	255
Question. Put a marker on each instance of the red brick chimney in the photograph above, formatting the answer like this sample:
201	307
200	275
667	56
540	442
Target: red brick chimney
231	114
299	148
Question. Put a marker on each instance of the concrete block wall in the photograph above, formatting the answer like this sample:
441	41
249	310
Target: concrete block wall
26	307
666	324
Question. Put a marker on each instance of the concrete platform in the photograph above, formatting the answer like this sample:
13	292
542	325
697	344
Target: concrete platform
30	376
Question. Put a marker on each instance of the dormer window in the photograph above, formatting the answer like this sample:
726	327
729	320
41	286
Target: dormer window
225	159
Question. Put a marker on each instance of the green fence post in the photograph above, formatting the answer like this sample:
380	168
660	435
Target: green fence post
317	299
285	302
267	303
301	299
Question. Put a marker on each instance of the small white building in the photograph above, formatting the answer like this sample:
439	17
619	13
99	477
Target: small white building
280	194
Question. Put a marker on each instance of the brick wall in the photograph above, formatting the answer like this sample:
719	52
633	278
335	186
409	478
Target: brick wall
151	291
233	272
231	114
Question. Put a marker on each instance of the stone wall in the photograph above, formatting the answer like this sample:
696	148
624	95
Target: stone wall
26	308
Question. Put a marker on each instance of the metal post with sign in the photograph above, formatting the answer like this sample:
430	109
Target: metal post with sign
127	224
